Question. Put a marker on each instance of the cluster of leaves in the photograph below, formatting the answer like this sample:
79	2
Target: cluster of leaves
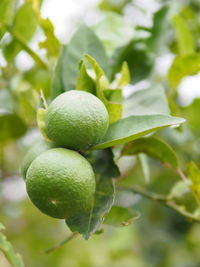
103	60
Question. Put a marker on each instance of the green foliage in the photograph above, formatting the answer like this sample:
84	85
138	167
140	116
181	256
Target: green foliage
119	216
103	59
133	127
152	147
147	101
84	41
14	259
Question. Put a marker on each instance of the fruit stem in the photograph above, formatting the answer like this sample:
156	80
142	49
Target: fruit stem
61	243
166	201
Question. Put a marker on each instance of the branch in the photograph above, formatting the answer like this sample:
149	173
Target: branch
32	53
66	240
169	203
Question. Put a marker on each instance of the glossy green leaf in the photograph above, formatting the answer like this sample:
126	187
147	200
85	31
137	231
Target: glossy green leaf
105	169
153	147
83	41
158	30
185	40
11	126
183	66
148	101
133	127
120	216
5	246
84	81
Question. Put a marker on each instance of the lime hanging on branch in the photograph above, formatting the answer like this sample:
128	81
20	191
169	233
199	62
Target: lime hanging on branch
61	183
76	120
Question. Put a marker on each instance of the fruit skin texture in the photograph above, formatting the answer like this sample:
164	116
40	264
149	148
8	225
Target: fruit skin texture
76	120
61	183
32	153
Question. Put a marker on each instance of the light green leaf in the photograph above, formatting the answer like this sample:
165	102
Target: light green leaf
120	216
25	24
51	43
11	126
153	147
84	81
83	41
183	66
14	259
113	31
185	40
148	101
114	6
7	9
41	112
194	176
102	83
133	127
124	76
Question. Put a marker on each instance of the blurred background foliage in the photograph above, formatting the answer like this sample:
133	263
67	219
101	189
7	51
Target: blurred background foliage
161	43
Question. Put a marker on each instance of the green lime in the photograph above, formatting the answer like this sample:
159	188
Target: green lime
32	153
76	120
61	183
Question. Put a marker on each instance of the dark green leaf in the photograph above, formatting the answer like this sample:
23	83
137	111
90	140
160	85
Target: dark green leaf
154	148
103	163
7	10
57	87
139	60
133	127
120	216
11	126
105	169
147	101
83	41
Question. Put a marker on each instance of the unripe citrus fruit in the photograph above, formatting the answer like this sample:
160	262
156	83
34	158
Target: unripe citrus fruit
76	120
61	183
32	153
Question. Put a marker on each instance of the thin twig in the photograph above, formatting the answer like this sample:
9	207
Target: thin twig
32	53
170	203
66	240
43	99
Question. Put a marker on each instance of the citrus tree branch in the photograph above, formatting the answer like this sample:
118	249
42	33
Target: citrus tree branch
169	203
66	240
32	53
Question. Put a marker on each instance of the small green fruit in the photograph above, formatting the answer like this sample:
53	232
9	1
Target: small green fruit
76	120
61	183
32	153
